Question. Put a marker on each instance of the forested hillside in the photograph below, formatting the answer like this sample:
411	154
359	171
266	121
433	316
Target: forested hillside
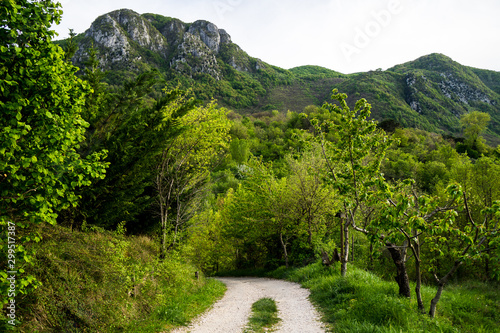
430	93
167	150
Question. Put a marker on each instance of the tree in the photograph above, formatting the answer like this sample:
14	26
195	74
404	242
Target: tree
239	150
134	128
280	204
71	47
314	199
41	125
481	182
409	217
474	124
353	157
263	212
184	165
205	245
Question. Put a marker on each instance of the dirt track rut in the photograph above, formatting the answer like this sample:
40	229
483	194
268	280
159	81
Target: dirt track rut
231	313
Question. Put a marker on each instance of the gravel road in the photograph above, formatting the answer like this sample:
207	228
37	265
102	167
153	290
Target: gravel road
231	313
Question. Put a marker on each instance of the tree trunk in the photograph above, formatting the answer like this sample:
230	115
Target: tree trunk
401	276
325	258
441	283
163	198
163	246
435	300
487	227
285	253
163	236
344	256
418	286
310	237
370	262
352	247
420	303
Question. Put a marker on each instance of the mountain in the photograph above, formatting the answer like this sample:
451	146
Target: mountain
430	93
197	55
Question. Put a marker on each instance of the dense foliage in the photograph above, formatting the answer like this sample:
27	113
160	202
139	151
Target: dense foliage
42	127
222	190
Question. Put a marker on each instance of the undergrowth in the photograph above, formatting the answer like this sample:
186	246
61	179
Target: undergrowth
363	302
100	281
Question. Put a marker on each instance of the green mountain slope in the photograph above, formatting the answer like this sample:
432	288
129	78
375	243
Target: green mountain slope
490	78
430	93
443	90
311	85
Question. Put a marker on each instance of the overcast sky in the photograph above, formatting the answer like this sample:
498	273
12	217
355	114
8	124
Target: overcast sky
344	35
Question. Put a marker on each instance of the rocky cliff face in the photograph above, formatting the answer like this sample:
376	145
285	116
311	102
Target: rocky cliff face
461	91
124	38
431	92
198	50
413	84
117	34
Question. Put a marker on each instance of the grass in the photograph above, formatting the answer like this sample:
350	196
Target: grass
363	302
264	316
180	309
105	282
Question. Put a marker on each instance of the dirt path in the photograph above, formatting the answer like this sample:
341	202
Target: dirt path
231	313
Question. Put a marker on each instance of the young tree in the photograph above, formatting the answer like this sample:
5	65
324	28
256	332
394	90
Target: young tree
485	191
403	221
41	101
481	182
281	203
246	215
353	159
263	208
205	245
239	150
409	217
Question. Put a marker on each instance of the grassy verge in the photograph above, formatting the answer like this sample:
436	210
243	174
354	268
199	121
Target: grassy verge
363	302
264	316
180	309
106	282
